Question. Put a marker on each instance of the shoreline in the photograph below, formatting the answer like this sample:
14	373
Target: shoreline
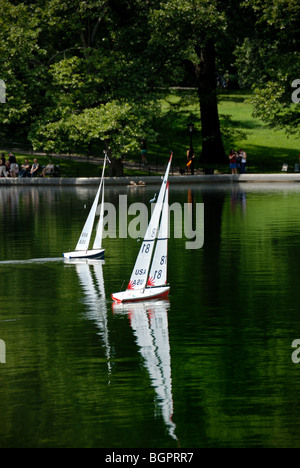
151	180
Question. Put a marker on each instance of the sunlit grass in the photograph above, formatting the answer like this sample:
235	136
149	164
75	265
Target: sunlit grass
267	148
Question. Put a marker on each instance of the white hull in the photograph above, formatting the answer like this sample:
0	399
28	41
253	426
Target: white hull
133	295
81	254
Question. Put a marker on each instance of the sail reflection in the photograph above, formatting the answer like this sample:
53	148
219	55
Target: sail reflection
149	322
90	275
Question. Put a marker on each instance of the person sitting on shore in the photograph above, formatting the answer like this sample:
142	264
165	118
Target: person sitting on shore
7	164
13	165
34	169
48	170
25	169
16	171
3	170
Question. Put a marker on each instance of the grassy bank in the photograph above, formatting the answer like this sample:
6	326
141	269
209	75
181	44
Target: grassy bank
267	148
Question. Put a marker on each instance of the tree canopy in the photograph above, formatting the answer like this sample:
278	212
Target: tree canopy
82	72
269	61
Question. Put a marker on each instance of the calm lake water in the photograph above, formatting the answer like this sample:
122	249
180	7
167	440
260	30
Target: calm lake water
211	367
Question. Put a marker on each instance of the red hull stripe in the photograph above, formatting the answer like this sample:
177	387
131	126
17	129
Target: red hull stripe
162	295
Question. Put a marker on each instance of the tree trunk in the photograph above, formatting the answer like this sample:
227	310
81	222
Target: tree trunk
115	169
212	146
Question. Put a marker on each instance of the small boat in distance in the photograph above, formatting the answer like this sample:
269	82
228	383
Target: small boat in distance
82	249
149	276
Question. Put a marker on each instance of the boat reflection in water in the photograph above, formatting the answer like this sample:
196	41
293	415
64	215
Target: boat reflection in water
149	322
90	275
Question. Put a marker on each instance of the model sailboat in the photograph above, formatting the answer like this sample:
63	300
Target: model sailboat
82	248
149	276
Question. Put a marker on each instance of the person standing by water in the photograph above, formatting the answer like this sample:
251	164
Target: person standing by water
144	152
232	161
243	160
191	160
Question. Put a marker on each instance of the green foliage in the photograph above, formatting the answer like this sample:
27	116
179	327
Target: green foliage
82	73
21	61
120	125
269	61
74	79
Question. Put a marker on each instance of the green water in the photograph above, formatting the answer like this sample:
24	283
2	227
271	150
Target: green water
210	368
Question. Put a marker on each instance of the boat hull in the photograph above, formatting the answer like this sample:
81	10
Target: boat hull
96	254
132	295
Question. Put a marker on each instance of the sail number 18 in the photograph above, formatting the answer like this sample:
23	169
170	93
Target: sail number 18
157	274
146	248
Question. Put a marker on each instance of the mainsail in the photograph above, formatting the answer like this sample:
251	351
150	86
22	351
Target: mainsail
99	233
158	271
85	237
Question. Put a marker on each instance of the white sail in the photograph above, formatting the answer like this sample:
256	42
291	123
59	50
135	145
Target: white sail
85	237
140	272
99	233
158	271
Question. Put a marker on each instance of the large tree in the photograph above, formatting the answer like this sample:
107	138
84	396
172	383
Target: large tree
187	31
202	35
